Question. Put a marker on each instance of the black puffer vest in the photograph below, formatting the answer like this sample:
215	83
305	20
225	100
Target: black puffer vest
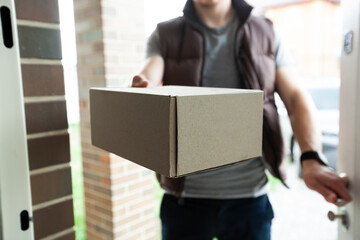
183	49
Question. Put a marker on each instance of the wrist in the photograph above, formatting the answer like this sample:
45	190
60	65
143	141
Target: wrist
309	164
309	158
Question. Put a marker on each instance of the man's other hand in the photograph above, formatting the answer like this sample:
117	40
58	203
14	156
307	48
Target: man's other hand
139	81
326	182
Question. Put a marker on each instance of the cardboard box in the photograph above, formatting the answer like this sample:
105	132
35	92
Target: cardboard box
177	130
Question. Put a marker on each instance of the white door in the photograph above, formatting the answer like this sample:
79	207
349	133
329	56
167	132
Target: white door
15	196
349	135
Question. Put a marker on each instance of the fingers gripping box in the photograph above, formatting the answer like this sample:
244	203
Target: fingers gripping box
177	130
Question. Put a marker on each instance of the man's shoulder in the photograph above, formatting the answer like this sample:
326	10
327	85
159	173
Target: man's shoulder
260	21
170	30
261	26
172	23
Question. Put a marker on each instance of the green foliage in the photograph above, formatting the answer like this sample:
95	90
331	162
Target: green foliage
274	183
77	181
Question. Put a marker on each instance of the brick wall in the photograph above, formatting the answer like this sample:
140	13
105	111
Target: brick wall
119	195
46	121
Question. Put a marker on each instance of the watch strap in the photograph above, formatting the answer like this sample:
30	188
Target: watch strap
314	155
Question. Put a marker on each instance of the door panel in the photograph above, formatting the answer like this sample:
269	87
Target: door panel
349	135
15	196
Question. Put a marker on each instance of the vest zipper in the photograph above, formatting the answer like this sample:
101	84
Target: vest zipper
203	61
181	42
243	83
193	25
204	53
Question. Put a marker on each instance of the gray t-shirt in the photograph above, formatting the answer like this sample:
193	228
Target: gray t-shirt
244	179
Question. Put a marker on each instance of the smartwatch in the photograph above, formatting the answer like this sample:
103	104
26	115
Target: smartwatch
314	155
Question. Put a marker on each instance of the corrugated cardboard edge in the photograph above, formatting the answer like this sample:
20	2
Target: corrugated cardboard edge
173	137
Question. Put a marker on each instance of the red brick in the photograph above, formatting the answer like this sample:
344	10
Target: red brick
108	234
104	210
38	10
93	236
141	185
69	236
120	234
83	104
42	80
105	181
128	219
104	191
99	199
119	213
132	166
105	158
90	156
140	225
96	217
125	178
51	185
149	211
144	203
45	116
134	236
148	192
90	177
53	219
126	199
118	191
39	42
116	159
117	169
48	151
96	168
96	184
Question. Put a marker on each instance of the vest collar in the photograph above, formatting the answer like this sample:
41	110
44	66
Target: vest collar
241	8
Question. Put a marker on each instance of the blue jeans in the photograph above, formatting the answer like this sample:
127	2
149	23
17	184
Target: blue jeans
204	219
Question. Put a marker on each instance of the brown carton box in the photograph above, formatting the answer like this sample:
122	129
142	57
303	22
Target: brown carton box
177	130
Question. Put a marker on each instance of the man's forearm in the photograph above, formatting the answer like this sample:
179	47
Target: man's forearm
302	116
153	70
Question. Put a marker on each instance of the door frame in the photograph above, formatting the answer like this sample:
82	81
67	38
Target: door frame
15	196
349	135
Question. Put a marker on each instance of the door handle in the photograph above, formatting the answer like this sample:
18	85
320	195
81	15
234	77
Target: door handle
342	215
345	178
25	220
341	202
6	26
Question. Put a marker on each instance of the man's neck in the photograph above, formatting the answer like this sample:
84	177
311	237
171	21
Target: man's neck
215	15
